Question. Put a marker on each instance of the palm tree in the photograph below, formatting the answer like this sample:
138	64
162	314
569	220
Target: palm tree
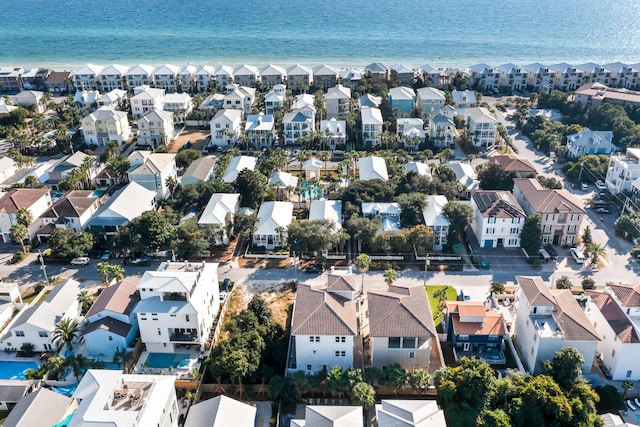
104	269
596	251
18	233
65	331
88	163
85	300
626	387
390	276
171	184
363	262
78	364
441	296
24	217
324	156
280	230
117	271
55	366
31	181
122	356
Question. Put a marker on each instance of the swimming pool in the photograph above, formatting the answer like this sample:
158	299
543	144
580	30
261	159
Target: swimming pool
98	193
164	360
310	191
66	390
15	370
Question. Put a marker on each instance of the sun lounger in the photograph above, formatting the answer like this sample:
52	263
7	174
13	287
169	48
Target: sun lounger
630	405
637	402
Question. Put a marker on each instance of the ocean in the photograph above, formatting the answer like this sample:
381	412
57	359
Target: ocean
340	33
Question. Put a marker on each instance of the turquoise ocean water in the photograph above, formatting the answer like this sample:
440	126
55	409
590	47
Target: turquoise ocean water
343	33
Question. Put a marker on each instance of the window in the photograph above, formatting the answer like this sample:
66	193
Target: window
317	339
337	353
463	337
19	333
343	339
514	231
159	331
491	230
110	338
337	339
394	342
343	353
532	350
513	242
311	339
412	355
186	317
308	367
629	374
43	334
492	220
613	353
408	342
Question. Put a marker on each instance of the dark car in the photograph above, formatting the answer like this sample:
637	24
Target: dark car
225	285
551	251
603	210
314	268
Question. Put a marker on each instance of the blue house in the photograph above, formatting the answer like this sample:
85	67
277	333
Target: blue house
402	100
112	324
475	331
590	142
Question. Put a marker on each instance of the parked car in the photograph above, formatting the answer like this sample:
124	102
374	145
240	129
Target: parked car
83	260
314	268
225	285
551	251
584	186
577	255
601	185
603	210
106	255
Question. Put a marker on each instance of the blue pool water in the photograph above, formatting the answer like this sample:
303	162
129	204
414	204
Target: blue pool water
638	418
15	370
98	193
66	421
66	390
310	191
164	360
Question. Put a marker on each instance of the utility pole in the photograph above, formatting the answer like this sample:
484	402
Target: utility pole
427	263
43	266
580	174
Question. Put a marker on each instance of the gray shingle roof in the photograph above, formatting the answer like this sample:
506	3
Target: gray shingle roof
536	291
318	312
400	311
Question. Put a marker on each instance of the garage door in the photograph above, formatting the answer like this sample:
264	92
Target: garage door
488	243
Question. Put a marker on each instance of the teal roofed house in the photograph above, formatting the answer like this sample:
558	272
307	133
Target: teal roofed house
402	100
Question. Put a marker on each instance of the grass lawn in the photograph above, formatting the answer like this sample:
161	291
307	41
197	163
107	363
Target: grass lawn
433	302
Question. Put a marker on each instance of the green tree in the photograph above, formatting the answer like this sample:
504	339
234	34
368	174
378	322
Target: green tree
85	300
185	157
117	271
65	331
588	283
363	262
24	217
398	377
419	381
122	356
309	236
628	226
595	251
151	230
531	235
626	387
493	177
337	380
494	418
104	269
390	276
363	394
252	186
55	366
69	244
587	238
412	206
192	241
459	217
261	309
17	234
564	283
566	367
171	184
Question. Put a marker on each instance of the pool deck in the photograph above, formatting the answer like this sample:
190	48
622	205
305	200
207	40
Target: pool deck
179	372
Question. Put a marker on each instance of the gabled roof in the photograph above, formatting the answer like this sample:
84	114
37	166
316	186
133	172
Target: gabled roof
177	98
246	70
13	390
298	70
485	322
591	68
187	69
166	69
154	163
89	69
108	324
302	101
588	137
146	92
338	92
283	180
372	167
511	163
273	215
409	413
497	204
480	115
536	68
402	93
17	198
71	205
508	68
333	416
221	411
259	122
112	96
544	200
140	69
430	70
617	319
376	67
481	68
463	97
227	115
311	164
563	67
433	213
325	70
342	282
219	206
402	311
403	68
114	70
380	208
430	93
121	297
295	117
205	70
272	70
220	70
418	167
318	312
106	113
236	165
368	100
335	127
125	205
200	169
43	407
629	295
571	318
465	175
536	291
618	67
326	209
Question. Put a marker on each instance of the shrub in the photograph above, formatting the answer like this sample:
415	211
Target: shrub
38	288
610	398
19	256
588	283
563	283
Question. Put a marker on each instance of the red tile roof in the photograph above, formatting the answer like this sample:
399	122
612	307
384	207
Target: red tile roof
318	312
629	295
614	315
400	312
18	198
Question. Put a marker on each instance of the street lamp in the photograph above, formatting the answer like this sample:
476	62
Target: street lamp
43	266
427	263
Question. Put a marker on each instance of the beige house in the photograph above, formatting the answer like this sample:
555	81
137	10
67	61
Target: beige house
37	200
104	125
560	212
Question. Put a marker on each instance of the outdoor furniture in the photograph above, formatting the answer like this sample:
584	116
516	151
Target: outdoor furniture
630	405
637	402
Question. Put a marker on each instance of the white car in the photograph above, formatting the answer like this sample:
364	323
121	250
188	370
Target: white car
601	185
578	255
584	186
83	260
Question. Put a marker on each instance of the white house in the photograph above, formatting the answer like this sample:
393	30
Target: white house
325	76
465	176
155	128
246	75
219	213
8	168
432	76
151	170
166	77
403	74
484	77
435	219
35	324
547	320
623	170
333	132
323	329
330	210
401	328
201	170
178	305
36	200
260	130
39	408
109	397
464	98
31	97
113	99
204	77
111	323
372	167
430	100
223	75
104	125
87	77
389	213
590	142
481	128
140	75
113	77
299	77
377	71
271	224
618	350
62	168
338	101
410	131
274	99
497	219
296	125
225	127
512	77
121	208
420	168
622	75
179	104
442	131
540	78
221	411
236	165
567	77
330	416
351	77
73	211
409	413
371	126
595	73
284	183
271	75
239	97
146	99
311	168
86	98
